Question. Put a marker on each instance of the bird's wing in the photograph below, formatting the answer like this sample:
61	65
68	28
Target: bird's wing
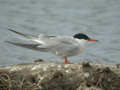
36	47
63	40
63	45
29	36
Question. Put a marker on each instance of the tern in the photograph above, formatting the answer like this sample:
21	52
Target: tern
61	46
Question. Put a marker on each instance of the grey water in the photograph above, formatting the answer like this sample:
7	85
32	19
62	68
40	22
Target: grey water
99	19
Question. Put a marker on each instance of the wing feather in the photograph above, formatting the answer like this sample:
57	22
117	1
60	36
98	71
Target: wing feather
36	47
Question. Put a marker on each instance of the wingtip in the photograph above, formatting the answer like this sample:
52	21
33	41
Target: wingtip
28	36
12	30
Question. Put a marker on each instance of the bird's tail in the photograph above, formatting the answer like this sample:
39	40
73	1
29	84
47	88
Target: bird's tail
29	46
28	36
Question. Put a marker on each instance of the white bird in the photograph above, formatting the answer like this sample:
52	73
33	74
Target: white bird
61	46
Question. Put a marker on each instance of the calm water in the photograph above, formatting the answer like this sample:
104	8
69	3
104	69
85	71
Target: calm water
100	19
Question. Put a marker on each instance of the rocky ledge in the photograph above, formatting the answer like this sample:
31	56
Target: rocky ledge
59	76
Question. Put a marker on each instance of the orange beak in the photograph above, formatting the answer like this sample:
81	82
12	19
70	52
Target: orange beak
92	40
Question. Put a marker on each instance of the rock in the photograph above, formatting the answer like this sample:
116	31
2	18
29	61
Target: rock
59	76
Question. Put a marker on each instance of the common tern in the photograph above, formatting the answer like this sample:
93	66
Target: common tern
61	46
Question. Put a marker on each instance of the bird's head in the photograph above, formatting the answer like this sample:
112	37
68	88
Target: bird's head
82	36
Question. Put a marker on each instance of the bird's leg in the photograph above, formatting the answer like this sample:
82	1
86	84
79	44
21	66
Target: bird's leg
66	61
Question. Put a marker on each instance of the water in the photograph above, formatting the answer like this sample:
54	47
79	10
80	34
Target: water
100	19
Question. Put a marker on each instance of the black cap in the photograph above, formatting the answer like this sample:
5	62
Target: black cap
81	36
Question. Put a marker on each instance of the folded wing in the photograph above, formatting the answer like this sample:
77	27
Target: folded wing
36	47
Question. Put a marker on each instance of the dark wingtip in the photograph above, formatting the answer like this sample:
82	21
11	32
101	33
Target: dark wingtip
16	32
12	30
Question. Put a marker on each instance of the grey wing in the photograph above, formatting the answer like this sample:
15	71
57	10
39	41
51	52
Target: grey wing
64	47
36	47
39	39
28	36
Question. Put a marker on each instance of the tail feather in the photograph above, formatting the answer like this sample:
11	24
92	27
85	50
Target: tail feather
29	46
28	36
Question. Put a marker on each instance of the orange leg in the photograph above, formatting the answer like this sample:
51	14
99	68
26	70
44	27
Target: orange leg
66	61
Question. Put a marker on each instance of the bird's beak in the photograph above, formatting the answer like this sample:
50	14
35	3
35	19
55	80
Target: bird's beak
92	40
